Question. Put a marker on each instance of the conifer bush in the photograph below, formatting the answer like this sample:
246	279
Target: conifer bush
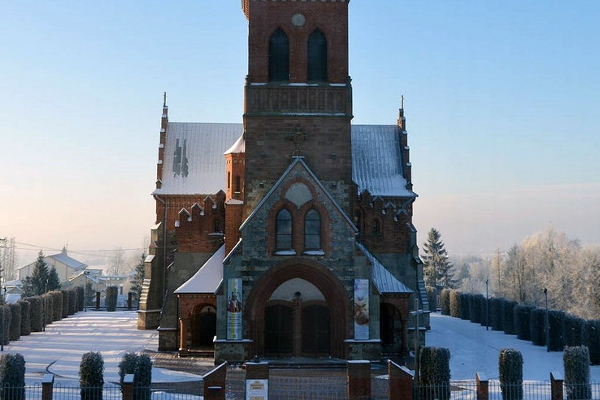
496	313
65	305
508	322
80	298
15	321
455	303
12	376
434	377
111	298
25	317
37	305
464	306
48	308
576	362
556	322
445	301
6	317
57	300
573	330
510	367
141	368
72	301
91	376
522	321
475	307
432	298
537	325
593	340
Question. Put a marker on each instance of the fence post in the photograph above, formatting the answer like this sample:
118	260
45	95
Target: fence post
214	383
556	385
257	380
47	386
483	389
400	382
127	387
359	379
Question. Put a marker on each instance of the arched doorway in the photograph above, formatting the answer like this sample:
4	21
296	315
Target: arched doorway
290	312
204	326
390	325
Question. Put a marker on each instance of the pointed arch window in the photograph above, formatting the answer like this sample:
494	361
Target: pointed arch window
283	230
317	57
279	57
312	230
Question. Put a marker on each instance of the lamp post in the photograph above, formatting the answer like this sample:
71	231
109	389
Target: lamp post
547	322
487	304
2	322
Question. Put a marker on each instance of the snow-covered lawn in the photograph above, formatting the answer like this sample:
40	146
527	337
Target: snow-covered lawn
474	349
58	350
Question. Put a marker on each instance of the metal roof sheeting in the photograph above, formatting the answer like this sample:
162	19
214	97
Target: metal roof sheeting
383	279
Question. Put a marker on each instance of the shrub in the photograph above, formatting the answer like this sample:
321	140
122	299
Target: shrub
141	368
510	367
576	362
12	376
556	321
25	317
475	307
434	378
65	305
445	301
72	301
91	376
508	321
36	313
80	298
455	303
6	317
495	313
111	298
15	321
573	331
522	321
537	323
57	311
48	308
593	339
432	297
464	306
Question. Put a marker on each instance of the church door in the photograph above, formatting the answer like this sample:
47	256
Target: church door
390	329
279	330
204	327
315	330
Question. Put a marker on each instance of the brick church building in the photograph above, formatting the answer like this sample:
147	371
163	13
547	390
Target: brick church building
291	234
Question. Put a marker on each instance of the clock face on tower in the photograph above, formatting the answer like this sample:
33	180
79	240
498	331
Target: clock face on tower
298	20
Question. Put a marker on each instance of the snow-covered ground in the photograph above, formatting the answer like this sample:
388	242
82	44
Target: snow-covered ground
474	349
58	350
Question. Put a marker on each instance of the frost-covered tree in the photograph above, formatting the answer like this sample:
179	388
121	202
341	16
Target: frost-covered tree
53	280
438	270
39	276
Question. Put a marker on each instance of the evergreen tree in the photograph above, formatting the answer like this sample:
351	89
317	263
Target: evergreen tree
53	280
438	270
138	278
39	277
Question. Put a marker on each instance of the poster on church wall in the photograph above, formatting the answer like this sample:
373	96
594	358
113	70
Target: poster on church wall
234	309
361	309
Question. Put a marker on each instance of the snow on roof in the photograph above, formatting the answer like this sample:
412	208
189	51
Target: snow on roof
209	276
193	162
377	161
238	147
383	279
68	261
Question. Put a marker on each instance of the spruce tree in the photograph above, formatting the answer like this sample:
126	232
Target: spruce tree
438	270
39	277
53	280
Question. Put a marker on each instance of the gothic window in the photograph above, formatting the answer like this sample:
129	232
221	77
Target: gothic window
283	232
312	230
228	180
317	57
376	227
238	184
279	57
216	225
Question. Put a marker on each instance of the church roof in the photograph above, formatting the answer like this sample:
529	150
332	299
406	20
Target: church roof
193	157
377	164
209	276
383	279
194	161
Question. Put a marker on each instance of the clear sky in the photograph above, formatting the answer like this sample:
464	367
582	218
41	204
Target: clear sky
501	100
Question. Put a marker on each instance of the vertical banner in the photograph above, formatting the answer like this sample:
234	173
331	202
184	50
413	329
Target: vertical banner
234	309
361	309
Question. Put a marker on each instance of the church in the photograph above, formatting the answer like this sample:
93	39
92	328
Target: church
291	234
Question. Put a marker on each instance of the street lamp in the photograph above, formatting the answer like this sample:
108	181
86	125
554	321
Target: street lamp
547	322
487	304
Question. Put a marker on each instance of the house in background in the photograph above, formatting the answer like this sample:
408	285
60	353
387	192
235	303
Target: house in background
65	266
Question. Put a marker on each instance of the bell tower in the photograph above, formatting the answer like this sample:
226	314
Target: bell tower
298	96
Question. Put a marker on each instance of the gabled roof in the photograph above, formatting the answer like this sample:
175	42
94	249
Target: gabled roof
383	279
209	276
299	162
377	164
63	258
193	157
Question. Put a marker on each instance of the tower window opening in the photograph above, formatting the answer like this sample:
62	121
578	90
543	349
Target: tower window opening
317	57
279	57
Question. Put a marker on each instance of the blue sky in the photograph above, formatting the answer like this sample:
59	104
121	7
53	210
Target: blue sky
500	99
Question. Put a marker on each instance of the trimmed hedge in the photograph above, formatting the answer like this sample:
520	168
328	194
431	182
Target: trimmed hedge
556	321
57	312
91	376
475	308
495	314
72	301
36	313
80	298
6	317
464	306
432	297
573	331
508	321
141	368
15	321
48	308
12	376
593	338
445	301
522	321
537	323
510	367
434	377
111	298
576	361
455	303
25	317
65	305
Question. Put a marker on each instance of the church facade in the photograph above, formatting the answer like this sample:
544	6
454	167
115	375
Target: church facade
290	234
